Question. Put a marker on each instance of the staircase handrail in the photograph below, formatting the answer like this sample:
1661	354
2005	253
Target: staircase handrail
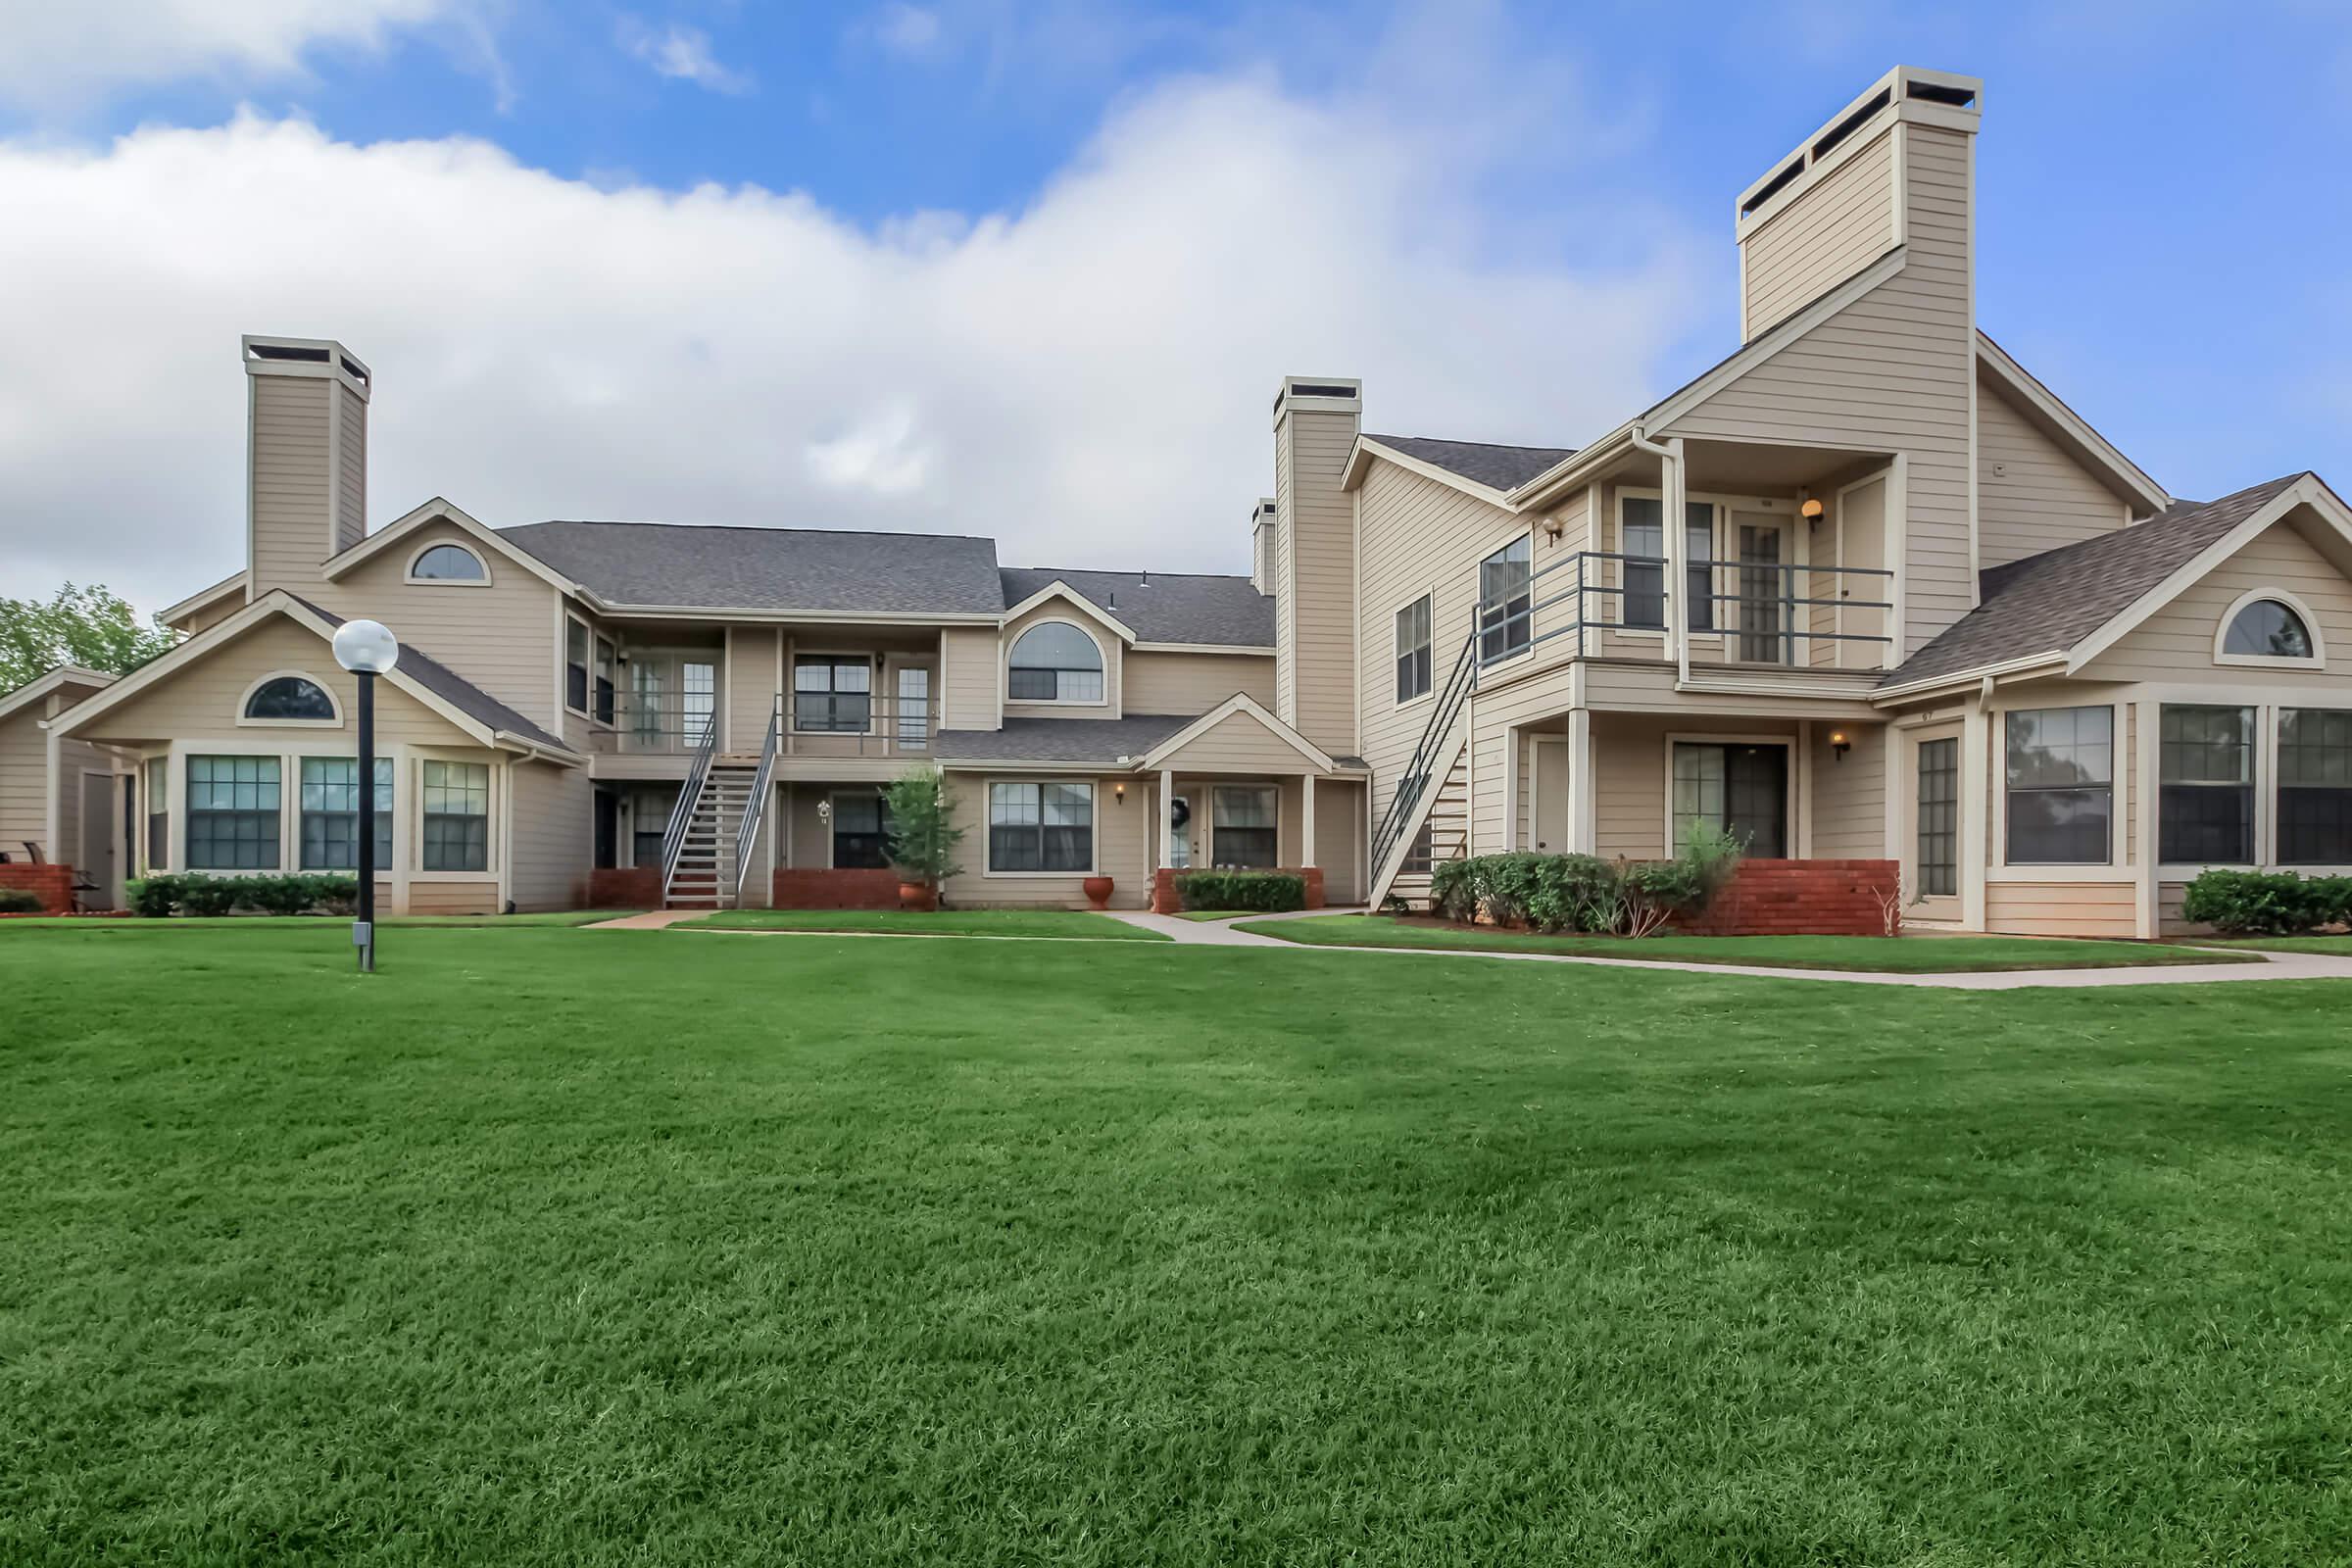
755	811
1410	786
673	837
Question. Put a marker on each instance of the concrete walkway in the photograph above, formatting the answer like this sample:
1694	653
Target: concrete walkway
2274	966
653	921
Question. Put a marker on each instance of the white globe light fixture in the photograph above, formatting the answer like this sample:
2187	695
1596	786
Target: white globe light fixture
368	649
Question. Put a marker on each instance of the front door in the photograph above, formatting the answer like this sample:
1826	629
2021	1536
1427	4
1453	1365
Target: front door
1763	590
97	864
913	722
1180	835
1740	787
1548	791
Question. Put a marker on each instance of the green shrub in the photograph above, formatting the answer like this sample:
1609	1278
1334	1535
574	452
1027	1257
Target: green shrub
923	832
1266	891
20	901
207	897
152	896
1584	894
2266	903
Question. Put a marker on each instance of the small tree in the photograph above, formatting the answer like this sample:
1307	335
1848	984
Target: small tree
924	834
87	626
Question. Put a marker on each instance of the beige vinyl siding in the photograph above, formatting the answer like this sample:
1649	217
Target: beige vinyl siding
1278	560
1629	765
218	611
498	637
1498	777
1105	638
1849	796
968	685
453	897
1835	227
2170	921
24	781
200	701
2061	908
1340	839
1322	579
1892	373
553	834
1121	838
1193	683
2178	640
293	466
2032	496
1239	742
1418	536
351	474
747	678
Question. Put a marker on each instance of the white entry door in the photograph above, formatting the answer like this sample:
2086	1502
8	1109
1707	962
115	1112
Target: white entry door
1547	793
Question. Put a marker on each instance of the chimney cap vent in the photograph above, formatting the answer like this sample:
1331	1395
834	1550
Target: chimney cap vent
306	355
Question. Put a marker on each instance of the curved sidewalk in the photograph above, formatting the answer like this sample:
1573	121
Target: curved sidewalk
2274	966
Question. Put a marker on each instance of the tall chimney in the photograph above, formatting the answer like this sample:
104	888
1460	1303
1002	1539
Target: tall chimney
1891	169
306	456
1261	545
1313	558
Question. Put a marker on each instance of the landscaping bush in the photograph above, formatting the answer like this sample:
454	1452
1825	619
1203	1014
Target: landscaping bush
1265	891
209	897
2266	903
20	901
1582	892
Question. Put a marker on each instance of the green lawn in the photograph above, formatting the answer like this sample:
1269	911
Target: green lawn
1064	923
1908	954
340	921
2338	947
1214	914
548	1246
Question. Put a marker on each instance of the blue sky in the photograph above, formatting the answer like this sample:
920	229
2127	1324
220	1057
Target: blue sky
1528	211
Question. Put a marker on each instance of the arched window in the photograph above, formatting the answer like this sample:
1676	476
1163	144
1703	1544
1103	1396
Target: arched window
448	563
291	698
2267	630
1054	661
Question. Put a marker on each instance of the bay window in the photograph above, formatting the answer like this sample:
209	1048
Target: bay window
2205	795
2061	786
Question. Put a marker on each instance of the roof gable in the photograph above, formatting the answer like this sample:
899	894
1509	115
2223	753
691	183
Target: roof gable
1159	607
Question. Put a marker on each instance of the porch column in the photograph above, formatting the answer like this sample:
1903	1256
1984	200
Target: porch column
1306	819
1976	799
1583	817
1167	818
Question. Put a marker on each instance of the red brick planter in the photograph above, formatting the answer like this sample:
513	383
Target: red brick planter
837	890
54	884
1164	900
1800	897
634	888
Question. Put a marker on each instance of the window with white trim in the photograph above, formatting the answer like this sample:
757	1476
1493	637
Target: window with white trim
861	832
1054	661
447	563
1041	827
232	813
2315	786
1413	650
1506	601
291	698
832	696
1938	817
2060	779
605	662
457	816
2267	630
330	814
158	813
1642	534
575	665
2205	786
1243	826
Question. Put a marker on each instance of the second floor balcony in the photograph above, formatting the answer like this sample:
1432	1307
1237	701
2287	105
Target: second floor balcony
830	724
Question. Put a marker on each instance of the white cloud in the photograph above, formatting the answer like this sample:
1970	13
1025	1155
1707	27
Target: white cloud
58	55
680	54
905	29
1086	379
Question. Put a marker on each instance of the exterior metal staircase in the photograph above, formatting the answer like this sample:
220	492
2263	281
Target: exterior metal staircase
1433	792
706	872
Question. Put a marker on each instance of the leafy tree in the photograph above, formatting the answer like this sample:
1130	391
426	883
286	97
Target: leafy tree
923	832
93	628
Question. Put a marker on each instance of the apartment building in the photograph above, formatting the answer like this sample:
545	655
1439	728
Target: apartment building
1867	589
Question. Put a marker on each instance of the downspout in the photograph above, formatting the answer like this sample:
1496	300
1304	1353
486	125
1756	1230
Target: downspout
1671	490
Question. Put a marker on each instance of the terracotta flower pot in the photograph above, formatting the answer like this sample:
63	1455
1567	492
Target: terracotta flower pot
917	897
1097	890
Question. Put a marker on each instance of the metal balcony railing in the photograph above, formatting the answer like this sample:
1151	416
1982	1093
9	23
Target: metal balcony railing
811	724
1765	613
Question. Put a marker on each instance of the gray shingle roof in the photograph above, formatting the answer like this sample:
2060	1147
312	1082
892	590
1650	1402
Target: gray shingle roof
453	688
1102	741
1163	607
2050	602
832	571
1497	467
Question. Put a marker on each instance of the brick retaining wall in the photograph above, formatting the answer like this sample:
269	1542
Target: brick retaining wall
54	884
625	887
1800	897
857	889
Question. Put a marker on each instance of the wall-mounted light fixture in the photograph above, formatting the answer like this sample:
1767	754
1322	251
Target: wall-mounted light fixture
1840	744
1118	791
1811	510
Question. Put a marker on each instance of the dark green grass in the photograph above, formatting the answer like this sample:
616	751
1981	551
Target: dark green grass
339	921
1905	955
2336	946
1214	914
938	923
542	1247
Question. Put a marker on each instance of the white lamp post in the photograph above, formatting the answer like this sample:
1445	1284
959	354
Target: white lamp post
368	650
